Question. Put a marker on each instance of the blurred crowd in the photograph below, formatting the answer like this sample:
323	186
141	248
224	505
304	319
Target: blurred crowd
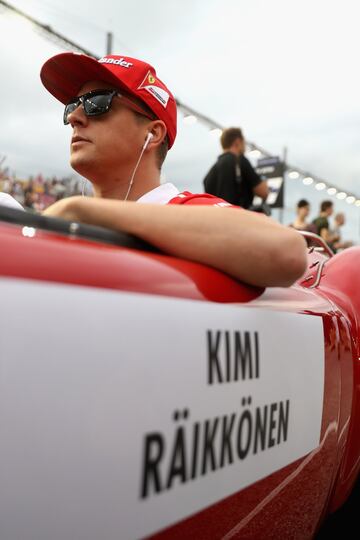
326	224
36	192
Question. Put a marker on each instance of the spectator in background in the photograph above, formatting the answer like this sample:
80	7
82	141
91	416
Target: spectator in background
37	193
322	221
302	211
232	177
337	243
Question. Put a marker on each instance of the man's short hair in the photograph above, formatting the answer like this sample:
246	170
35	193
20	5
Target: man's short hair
161	152
325	205
163	148
229	136
302	203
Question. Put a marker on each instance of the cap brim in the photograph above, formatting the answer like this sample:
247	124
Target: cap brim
64	74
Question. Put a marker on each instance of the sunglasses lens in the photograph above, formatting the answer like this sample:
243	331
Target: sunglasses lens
69	108
97	104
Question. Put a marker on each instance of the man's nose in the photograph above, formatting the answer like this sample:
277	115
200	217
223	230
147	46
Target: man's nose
78	116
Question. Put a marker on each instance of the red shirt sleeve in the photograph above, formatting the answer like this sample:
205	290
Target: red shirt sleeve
200	199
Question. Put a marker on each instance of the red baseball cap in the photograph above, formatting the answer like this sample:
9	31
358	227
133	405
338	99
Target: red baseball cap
65	73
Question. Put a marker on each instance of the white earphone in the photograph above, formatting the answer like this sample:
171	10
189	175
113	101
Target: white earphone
147	140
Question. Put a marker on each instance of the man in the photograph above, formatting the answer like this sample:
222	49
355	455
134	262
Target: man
302	211
232	177
322	221
123	120
338	243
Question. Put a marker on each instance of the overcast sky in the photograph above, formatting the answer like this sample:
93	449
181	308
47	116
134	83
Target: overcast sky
286	71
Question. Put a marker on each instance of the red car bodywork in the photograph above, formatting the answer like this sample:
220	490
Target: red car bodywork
292	501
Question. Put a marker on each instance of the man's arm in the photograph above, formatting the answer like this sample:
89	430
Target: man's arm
260	187
262	190
248	246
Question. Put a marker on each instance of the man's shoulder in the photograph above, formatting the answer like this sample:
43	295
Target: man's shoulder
321	220
205	199
227	157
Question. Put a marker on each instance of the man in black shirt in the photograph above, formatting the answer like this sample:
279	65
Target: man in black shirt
322	222
232	177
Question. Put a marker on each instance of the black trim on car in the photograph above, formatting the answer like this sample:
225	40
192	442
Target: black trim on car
74	229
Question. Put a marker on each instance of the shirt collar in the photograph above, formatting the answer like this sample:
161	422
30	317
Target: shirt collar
160	195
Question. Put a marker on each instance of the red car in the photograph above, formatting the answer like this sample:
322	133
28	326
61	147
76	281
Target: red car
146	396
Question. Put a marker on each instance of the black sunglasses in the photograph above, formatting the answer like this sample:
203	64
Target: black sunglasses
98	102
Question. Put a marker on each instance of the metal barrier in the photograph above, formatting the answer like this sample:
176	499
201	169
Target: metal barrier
321	246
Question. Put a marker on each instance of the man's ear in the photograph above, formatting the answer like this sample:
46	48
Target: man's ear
158	132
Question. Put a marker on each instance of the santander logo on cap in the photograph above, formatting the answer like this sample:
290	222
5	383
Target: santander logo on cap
116	61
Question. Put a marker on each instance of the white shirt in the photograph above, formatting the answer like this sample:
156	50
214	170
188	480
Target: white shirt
160	195
8	200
